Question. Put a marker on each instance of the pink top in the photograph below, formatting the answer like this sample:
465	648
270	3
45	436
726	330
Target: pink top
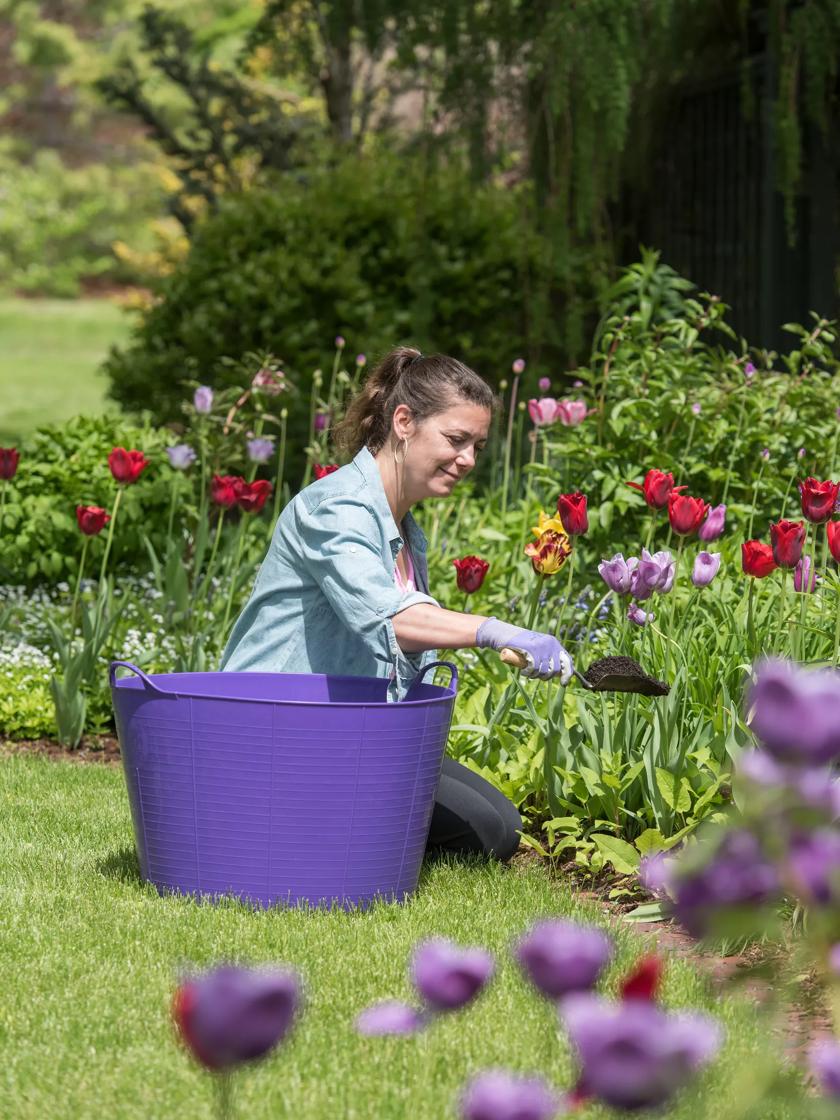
405	584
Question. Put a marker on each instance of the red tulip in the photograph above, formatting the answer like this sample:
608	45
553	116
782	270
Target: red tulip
787	539
127	466
572	511
9	457
320	471
251	496
818	499
832	530
91	519
644	980
223	490
685	514
470	573
657	488
757	559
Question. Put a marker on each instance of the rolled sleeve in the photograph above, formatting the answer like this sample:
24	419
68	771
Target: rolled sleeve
341	546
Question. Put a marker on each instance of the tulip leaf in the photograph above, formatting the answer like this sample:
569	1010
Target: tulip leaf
649	912
488	534
674	790
624	858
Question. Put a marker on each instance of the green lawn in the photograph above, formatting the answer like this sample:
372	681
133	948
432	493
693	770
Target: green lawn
50	351
88	955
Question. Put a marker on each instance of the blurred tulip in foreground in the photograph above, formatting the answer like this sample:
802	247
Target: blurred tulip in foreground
560	957
497	1094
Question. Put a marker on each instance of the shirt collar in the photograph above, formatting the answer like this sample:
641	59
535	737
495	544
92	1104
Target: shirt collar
366	463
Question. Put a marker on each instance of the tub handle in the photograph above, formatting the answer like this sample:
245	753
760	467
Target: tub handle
147	681
452	682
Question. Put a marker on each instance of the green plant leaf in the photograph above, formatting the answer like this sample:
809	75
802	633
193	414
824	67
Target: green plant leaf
624	858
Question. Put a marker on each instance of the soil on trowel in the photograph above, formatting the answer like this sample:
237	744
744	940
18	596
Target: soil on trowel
603	672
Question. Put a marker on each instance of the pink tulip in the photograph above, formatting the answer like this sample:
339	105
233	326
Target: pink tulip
571	413
543	411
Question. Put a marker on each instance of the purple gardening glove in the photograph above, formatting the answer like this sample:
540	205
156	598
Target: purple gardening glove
546	657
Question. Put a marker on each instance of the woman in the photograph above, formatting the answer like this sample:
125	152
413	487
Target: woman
344	586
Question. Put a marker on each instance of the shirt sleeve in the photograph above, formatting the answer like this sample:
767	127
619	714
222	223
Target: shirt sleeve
339	544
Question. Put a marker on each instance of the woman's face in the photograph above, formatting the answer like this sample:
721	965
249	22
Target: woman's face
443	449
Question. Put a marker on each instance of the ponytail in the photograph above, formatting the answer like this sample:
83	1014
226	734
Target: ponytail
426	385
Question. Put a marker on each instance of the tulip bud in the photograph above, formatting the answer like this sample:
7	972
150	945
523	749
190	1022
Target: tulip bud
518	366
573	513
339	342
832	530
818	499
714	525
757	559
544	384
787	539
232	1015
470	573
203	399
706	567
447	976
9	458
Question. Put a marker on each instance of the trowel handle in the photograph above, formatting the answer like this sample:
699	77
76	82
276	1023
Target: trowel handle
518	660
513	657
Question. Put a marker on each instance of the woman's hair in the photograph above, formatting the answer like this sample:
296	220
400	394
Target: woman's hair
427	384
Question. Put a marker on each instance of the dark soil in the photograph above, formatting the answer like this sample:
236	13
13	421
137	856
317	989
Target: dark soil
623	674
93	748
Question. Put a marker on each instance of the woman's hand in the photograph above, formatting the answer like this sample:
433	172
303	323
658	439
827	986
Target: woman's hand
546	656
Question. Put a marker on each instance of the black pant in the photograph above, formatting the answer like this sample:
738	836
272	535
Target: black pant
471	815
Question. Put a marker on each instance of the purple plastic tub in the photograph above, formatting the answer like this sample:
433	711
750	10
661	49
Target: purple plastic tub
281	787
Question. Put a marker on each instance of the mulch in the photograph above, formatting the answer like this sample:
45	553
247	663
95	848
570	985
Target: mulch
802	1023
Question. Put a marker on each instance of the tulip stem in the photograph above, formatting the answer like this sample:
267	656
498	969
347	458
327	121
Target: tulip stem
107	552
281	464
511	412
78	585
224	1096
751	620
735	443
837	630
755	499
174	493
235	573
205	582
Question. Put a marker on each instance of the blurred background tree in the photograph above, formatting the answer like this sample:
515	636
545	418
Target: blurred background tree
703	127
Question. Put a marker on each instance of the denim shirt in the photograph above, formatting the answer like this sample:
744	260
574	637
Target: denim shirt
325	594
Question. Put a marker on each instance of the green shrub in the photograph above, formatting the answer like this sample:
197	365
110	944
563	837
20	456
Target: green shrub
26	707
369	249
58	224
67	465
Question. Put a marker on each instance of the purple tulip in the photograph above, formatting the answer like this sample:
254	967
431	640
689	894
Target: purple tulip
800	454
320	421
231	1015
655	573
765	454
617	573
816	788
633	1055
260	450
824	1064
518	366
390	1017
736	874
181	456
706	567
577	383
544	384
803	578
496	1094
749	371
796	713
813	866
447	976
696	408
203	399
714	525
561	957
640	617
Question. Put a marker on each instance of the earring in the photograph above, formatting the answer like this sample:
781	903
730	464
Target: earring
404	447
